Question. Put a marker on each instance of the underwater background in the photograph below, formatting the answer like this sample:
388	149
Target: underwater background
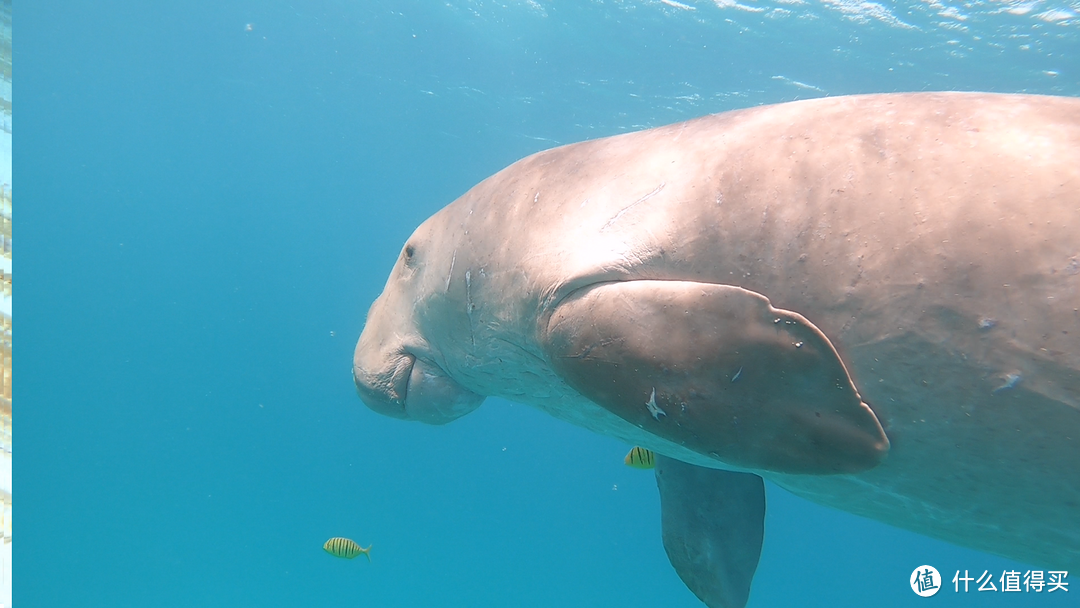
213	193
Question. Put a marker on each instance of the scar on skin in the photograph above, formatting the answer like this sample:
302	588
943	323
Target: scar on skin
450	275
631	205
653	408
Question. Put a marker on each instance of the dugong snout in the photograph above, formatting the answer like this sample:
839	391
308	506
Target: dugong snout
393	381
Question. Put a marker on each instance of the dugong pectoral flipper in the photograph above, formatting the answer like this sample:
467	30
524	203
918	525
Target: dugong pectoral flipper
713	523
718	370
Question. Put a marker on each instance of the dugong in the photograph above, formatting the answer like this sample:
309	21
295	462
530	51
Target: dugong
872	301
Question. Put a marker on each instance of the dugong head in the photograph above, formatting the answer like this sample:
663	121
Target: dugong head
396	368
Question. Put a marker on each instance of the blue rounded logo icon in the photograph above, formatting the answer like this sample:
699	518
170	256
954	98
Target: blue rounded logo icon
925	581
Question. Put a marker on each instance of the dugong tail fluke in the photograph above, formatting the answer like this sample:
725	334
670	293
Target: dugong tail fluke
713	523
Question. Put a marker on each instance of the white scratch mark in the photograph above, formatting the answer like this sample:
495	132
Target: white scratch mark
737	374
469	303
1011	380
653	408
681	129
631	205
451	274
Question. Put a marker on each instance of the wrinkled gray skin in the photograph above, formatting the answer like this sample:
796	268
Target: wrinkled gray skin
926	245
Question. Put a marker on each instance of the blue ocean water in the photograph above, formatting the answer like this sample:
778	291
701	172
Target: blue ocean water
213	194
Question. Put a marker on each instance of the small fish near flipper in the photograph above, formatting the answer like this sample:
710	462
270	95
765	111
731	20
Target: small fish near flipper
640	458
713	523
345	548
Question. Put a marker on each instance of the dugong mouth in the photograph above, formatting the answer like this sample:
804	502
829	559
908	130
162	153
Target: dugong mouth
412	389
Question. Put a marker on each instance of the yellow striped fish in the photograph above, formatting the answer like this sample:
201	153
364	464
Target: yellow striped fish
347	548
640	458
